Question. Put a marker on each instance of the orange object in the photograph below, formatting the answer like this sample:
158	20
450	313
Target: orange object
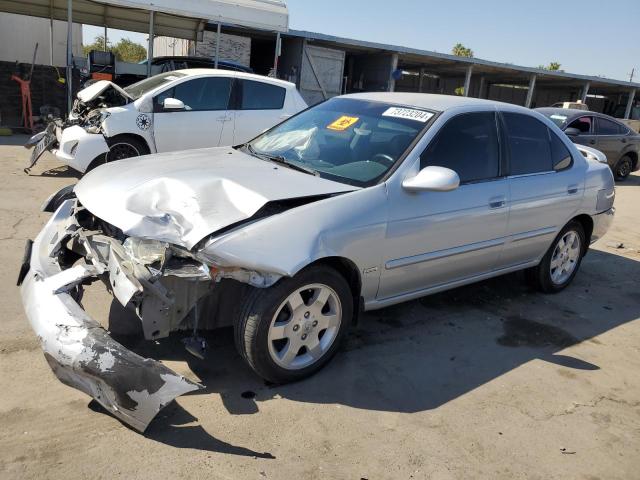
102	76
25	91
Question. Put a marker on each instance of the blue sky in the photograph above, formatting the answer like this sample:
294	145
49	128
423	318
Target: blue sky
592	37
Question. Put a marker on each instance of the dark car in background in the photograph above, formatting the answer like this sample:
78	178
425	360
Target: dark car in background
617	141
102	66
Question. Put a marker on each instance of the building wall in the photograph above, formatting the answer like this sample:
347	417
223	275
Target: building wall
169	47
232	47
20	33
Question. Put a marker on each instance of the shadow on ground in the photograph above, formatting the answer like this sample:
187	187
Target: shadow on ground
421	354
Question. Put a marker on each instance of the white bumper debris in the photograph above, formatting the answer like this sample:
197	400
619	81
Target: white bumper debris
80	352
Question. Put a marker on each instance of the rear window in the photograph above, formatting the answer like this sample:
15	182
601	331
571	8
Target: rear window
261	96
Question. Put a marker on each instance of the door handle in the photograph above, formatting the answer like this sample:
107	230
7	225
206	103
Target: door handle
592	142
572	189
624	140
497	202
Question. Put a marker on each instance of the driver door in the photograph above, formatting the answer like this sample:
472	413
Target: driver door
201	123
438	238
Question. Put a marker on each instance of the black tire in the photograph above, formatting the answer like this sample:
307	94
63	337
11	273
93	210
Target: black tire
259	308
623	168
125	146
61	195
540	277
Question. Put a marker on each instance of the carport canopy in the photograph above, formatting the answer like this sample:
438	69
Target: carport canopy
183	19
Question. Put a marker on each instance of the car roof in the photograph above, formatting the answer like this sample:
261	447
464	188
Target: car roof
430	101
193	72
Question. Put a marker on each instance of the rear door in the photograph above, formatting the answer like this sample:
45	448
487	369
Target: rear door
202	121
612	139
259	106
545	188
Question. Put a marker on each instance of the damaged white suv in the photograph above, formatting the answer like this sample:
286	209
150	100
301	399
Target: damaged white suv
171	111
358	203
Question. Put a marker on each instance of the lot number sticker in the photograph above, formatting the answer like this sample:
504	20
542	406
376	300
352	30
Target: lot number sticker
408	113
342	123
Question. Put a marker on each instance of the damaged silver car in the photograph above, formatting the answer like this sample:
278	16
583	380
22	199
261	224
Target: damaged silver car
358	203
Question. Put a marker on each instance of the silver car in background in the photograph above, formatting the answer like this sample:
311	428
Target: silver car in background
358	203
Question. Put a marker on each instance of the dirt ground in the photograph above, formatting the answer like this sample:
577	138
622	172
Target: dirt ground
486	381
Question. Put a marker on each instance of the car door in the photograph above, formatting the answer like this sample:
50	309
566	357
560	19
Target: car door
546	189
436	238
260	107
201	122
586	134
612	139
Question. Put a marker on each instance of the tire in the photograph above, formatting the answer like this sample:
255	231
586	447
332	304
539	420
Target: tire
125	146
549	280
623	168
278	341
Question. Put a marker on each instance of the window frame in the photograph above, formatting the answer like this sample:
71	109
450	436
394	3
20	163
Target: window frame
622	127
157	108
501	147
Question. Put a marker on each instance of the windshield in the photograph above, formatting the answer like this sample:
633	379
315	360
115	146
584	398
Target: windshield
557	118
143	86
347	140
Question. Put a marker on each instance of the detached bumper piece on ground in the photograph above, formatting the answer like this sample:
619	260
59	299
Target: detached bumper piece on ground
79	351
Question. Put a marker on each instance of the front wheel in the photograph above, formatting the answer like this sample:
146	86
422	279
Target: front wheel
291	330
561	262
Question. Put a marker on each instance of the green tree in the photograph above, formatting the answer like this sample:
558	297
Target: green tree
459	50
125	50
553	66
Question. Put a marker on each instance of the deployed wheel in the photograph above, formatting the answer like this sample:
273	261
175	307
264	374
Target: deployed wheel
623	168
289	331
561	262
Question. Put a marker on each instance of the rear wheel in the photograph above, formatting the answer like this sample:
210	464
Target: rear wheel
561	262
290	330
623	168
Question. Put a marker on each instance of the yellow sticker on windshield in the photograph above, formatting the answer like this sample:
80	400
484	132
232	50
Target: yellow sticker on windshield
342	123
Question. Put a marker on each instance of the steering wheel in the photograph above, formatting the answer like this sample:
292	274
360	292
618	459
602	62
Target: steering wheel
384	159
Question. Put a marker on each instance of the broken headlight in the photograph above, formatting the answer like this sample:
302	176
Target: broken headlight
145	251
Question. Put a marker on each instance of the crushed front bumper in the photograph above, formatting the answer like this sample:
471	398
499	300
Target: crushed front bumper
80	352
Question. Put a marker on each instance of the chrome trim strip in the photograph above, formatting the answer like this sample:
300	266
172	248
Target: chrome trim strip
449	252
532	234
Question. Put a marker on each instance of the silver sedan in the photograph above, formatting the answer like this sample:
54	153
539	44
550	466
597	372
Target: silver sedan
358	203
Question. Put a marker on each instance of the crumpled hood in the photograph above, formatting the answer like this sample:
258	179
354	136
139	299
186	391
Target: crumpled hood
94	90
181	197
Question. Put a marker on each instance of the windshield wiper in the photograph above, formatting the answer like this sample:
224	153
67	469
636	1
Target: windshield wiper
281	160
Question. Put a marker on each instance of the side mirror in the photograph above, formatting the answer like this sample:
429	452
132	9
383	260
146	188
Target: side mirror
433	179
572	132
173	104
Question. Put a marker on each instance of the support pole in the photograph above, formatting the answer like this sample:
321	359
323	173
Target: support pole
481	88
627	112
69	79
391	86
150	47
420	80
530	91
585	92
105	39
277	55
467	80
215	62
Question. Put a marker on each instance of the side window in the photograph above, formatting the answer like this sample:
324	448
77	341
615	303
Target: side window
204	94
467	144
261	96
584	124
560	155
529	146
158	100
607	127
